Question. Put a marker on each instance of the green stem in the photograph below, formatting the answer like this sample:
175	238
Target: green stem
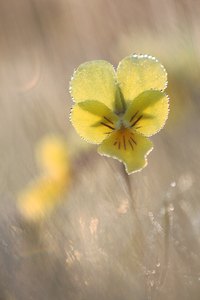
133	210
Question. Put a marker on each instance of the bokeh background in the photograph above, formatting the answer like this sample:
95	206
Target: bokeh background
111	236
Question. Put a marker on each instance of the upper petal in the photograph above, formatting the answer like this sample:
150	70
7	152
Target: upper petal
138	73
94	80
129	147
93	120
148	112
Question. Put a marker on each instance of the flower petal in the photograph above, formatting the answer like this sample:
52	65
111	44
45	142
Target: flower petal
93	120
52	156
138	73
129	147
148	112
94	80
40	198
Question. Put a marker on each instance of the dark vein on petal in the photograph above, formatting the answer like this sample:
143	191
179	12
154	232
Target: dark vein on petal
119	145
107	125
133	116
130	144
138	119
108	120
124	142
133	141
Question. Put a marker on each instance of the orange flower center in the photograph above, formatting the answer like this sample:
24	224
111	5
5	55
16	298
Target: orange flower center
124	139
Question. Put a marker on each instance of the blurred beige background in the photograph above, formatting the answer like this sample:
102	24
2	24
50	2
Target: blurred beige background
113	236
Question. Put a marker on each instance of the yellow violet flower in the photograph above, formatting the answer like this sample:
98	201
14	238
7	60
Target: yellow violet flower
41	196
120	110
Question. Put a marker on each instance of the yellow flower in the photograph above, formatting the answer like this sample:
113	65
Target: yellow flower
120	110
41	196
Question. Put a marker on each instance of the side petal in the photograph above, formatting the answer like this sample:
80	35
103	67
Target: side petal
148	112
138	73
94	80
93	120
129	147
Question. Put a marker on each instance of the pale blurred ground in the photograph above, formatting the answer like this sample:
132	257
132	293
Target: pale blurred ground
112	237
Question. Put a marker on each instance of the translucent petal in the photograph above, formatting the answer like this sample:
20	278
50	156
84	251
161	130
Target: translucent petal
94	80
148	112
138	73
93	120
129	147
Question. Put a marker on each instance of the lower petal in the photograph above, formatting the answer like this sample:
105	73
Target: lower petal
129	147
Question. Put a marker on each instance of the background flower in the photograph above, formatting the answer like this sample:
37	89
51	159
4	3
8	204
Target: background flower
43	194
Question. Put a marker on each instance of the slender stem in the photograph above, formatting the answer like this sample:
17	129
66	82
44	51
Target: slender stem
134	211
142	249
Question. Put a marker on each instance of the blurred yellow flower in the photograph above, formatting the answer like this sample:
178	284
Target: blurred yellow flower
52	157
42	195
120	110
